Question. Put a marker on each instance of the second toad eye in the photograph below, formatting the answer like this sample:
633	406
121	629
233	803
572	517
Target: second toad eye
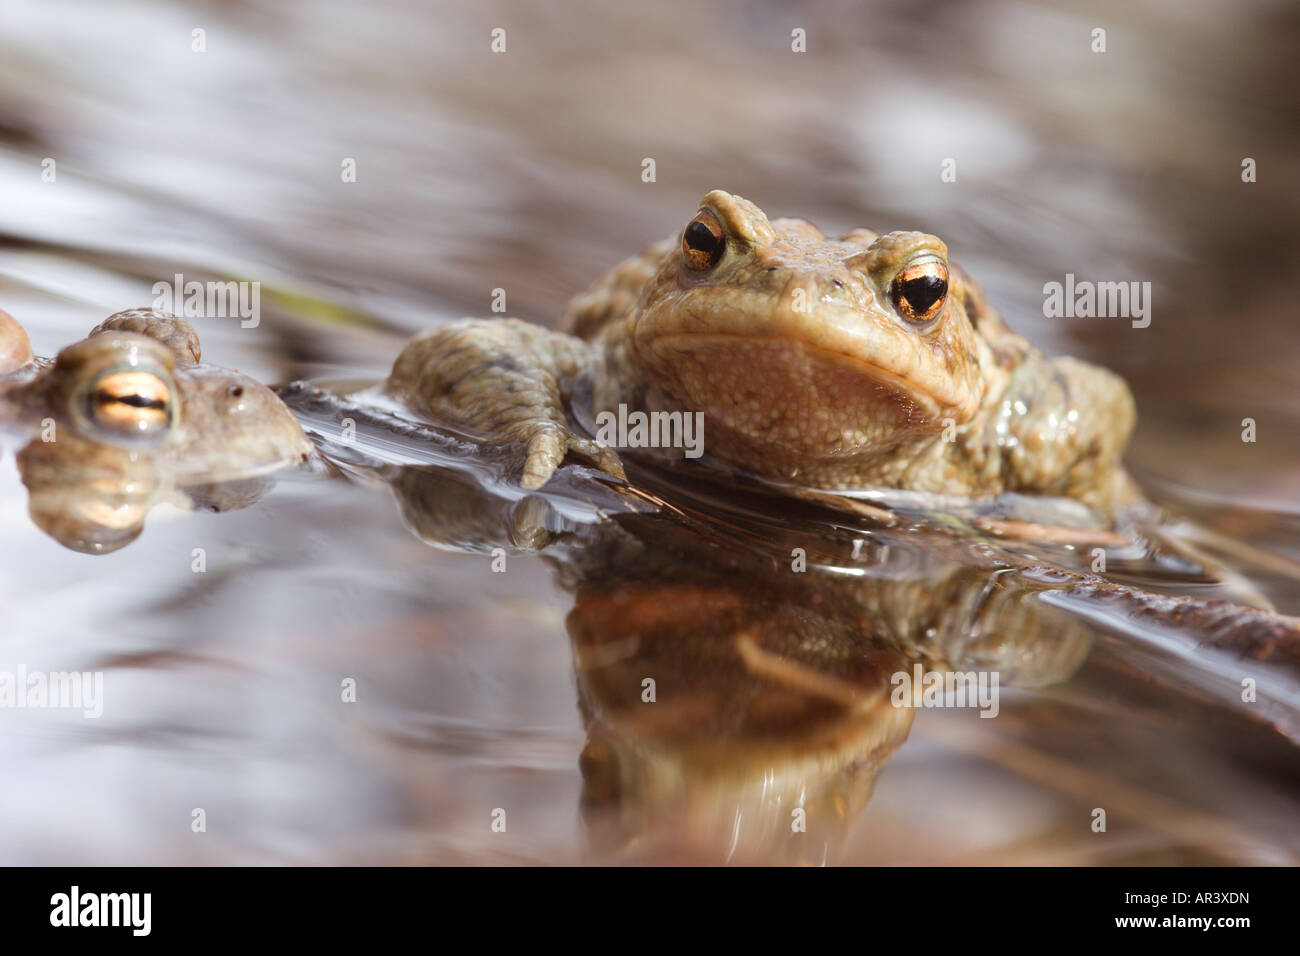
129	406
703	242
919	290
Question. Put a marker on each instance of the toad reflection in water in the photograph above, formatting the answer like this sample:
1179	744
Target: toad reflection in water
735	707
128	418
771	687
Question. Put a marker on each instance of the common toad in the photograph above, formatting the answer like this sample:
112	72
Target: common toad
866	361
120	420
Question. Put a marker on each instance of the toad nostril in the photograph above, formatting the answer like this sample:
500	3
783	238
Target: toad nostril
235	391
838	283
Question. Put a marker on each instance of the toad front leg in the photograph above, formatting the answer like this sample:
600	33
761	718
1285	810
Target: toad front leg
506	383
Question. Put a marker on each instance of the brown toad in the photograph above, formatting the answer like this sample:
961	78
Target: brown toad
129	417
867	361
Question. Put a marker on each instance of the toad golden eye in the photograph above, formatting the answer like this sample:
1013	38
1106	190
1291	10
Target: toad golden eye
131	405
918	291
703	242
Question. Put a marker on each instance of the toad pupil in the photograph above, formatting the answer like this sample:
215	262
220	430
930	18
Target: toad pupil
699	238
133	400
922	292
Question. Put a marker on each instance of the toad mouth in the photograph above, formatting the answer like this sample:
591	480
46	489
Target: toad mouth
928	403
